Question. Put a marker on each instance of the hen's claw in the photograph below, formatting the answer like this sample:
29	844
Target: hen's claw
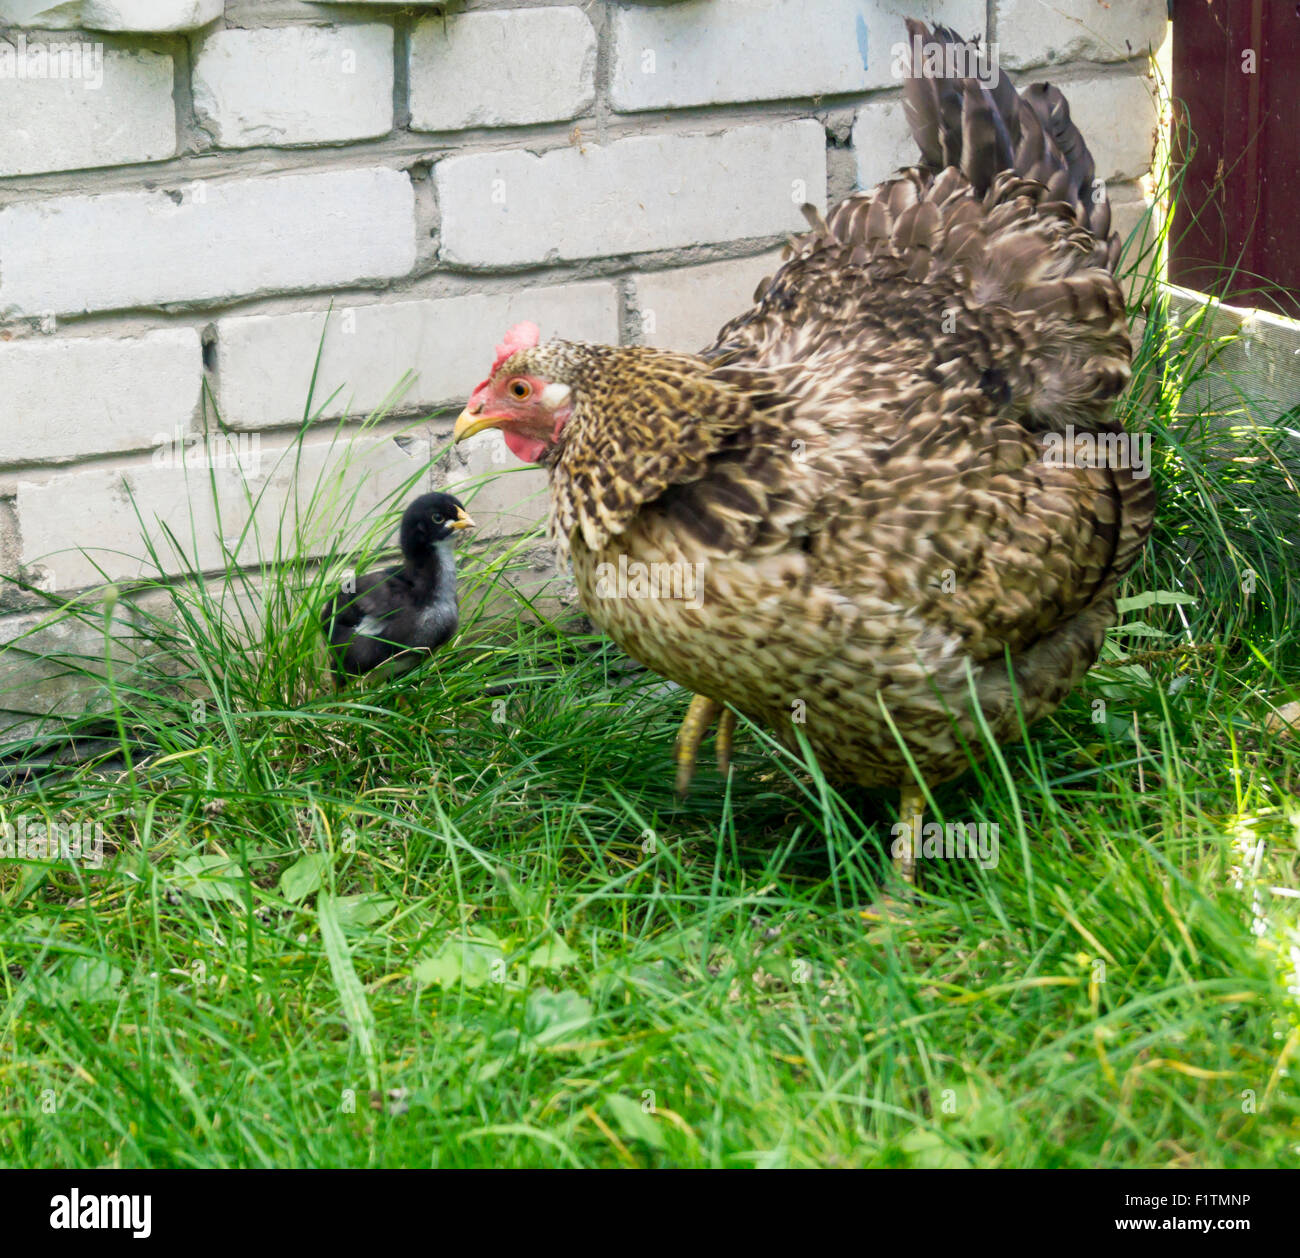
699	716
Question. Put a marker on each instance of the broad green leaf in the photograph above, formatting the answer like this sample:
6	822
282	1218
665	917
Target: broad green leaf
304	877
1120	727
1139	629
552	954
633	1122
1153	598
981	1112
209	878
470	961
355	912
352	996
929	1150
87	980
553	1016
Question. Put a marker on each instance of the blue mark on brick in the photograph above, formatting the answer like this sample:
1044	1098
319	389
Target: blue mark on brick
862	39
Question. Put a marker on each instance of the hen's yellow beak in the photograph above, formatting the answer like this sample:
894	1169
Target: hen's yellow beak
462	520
467	425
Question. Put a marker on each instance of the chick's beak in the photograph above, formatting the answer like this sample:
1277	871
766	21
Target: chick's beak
469	423
462	520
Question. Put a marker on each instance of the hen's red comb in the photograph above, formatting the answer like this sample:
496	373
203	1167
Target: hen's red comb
521	336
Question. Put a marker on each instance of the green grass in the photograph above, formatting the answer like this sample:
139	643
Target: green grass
509	932
460	920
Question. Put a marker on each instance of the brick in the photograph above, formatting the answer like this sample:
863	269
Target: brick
1115	113
104	108
290	85
217	239
110	15
97	395
1031	33
1140	264
265	362
715	51
882	141
501	69
51	665
242	12
513	208
11	598
504	496
684	308
1117	117
355	472
886	34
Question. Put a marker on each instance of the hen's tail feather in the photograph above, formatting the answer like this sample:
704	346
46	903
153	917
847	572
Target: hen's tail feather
985	141
1014	227
980	124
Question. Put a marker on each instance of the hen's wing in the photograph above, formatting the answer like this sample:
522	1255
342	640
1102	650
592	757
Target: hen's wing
910	365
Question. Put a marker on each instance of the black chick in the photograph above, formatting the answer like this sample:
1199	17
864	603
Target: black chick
396	617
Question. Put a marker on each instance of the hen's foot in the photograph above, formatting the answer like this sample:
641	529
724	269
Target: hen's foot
886	911
699	716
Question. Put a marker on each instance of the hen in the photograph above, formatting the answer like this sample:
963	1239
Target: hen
871	479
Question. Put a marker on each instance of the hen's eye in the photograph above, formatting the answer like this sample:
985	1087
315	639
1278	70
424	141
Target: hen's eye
520	389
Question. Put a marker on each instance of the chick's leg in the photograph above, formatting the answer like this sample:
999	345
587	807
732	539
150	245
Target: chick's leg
699	716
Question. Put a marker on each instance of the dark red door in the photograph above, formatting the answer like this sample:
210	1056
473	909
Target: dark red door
1236	84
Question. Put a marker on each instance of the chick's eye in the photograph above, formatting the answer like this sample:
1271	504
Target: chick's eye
437	519
520	389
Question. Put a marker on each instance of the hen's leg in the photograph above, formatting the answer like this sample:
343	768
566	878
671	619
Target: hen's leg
911	808
699	716
723	740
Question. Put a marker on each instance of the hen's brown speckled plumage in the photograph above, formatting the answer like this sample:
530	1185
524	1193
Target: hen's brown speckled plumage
857	464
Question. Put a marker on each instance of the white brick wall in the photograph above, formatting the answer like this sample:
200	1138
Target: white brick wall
504	496
34	675
110	15
102	540
715	51
1034	33
118	112
142	387
208	240
501	69
886	34
882	141
684	308
649	192
187	210
1117	115
295	84
1115	112
265	362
